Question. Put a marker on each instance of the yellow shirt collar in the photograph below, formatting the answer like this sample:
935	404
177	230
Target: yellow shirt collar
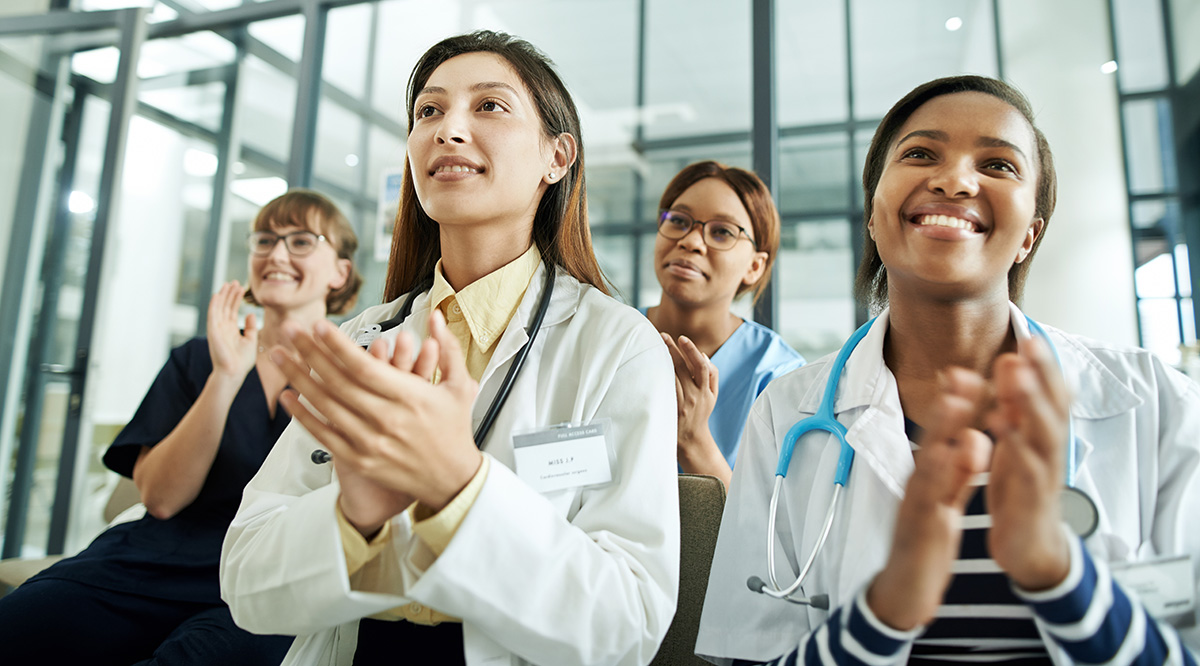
488	303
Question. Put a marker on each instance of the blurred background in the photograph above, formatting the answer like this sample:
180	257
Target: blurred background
144	135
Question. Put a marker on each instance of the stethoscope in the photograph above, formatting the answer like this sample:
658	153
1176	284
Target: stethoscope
1078	510
365	336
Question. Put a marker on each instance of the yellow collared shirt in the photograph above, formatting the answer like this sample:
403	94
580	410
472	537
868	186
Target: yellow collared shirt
476	316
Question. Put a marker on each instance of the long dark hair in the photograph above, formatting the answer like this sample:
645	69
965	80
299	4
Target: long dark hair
560	225
870	286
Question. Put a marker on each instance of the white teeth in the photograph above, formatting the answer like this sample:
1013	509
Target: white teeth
279	276
456	168
945	221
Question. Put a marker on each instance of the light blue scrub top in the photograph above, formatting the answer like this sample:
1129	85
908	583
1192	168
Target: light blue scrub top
746	363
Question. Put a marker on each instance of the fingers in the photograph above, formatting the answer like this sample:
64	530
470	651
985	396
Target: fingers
427	359
450	357
696	362
956	406
1032	403
333	404
952	450
318	428
251	328
681	369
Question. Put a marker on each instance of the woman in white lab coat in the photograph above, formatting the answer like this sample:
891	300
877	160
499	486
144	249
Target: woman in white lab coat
556	539
926	559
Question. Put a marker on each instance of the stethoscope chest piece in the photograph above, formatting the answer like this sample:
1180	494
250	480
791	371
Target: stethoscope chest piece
1078	511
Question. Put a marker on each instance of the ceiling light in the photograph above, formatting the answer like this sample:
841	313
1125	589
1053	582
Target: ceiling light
1109	67
259	191
199	163
352	160
953	23
80	203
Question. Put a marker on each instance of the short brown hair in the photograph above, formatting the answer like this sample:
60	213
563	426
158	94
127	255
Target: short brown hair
560	225
755	198
870	286
314	211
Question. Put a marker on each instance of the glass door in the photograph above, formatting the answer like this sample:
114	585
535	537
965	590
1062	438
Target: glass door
74	140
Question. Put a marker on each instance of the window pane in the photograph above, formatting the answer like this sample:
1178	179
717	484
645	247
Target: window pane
814	278
347	36
814	174
697	68
1156	278
1160	328
899	45
337	156
1147	130
1185	25
615	254
268	106
811	77
199	50
1140	45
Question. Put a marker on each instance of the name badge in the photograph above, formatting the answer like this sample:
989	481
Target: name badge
563	457
1165	586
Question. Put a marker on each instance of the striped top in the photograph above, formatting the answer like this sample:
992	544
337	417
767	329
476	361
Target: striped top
981	620
1088	616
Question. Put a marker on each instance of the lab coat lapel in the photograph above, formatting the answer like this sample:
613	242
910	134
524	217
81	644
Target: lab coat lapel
877	433
868	403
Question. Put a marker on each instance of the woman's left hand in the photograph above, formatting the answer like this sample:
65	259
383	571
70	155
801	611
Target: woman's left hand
384	422
1030	423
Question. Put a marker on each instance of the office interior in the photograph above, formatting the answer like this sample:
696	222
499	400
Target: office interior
143	135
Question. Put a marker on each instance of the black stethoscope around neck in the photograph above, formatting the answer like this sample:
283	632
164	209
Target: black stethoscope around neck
321	456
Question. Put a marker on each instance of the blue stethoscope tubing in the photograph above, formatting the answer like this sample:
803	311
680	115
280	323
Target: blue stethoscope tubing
825	420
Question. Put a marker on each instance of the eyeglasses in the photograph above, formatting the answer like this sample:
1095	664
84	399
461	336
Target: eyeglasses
298	243
718	234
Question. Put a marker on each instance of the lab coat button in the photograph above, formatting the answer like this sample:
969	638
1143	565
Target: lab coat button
415	607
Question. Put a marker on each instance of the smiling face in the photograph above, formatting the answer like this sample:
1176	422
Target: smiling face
955	205
693	274
282	281
477	149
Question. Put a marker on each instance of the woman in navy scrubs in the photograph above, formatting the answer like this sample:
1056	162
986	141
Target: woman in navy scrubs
146	591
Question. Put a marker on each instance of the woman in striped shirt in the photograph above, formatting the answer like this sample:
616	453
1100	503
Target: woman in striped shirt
950	543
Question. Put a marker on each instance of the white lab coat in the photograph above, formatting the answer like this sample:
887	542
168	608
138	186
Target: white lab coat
571	577
1137	423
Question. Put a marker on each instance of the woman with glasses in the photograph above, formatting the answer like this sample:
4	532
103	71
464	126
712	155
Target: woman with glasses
718	233
498	493
146	591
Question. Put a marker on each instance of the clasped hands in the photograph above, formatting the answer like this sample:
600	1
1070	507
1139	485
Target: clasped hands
1025	407
395	437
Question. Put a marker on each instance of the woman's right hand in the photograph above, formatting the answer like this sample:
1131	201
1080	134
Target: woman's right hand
233	352
696	383
925	542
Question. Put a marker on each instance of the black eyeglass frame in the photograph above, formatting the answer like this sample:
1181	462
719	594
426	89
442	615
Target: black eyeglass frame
662	218
252	245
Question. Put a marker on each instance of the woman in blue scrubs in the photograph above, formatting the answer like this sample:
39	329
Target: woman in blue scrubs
146	591
718	234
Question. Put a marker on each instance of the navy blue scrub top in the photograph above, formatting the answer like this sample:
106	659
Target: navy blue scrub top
178	558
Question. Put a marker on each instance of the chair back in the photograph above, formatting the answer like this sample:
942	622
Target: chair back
701	502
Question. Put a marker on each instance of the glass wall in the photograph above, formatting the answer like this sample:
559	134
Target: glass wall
223	123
